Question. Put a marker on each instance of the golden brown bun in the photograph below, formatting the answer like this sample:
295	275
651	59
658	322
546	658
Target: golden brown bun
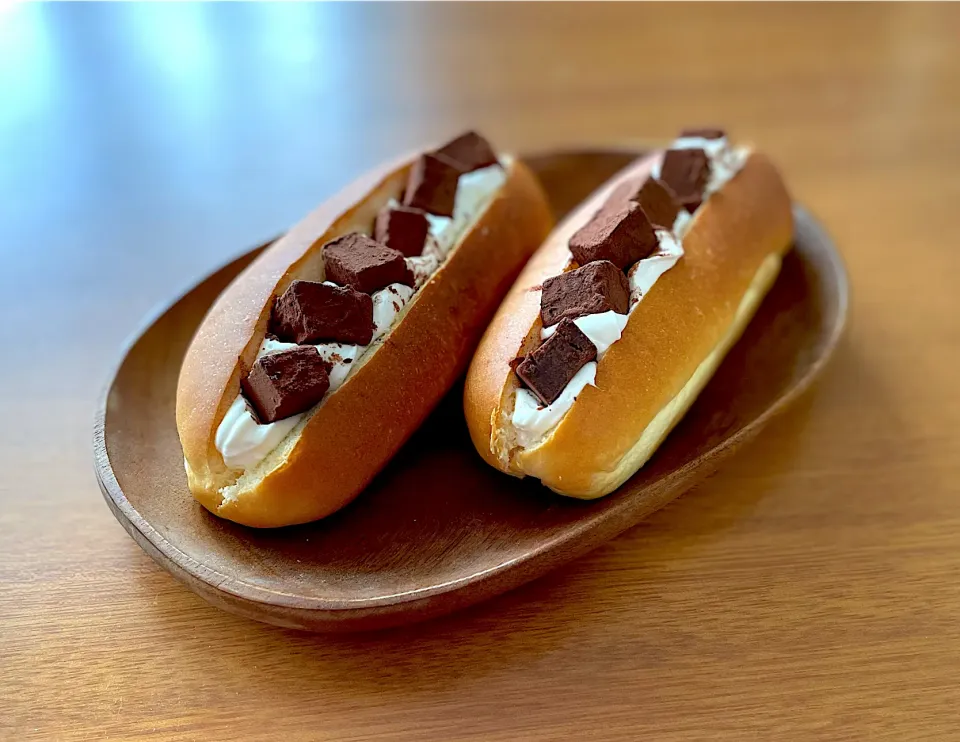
672	344
328	459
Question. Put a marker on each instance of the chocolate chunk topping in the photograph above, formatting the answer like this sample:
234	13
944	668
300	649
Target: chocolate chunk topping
654	197
622	235
402	228
548	369
596	287
287	383
686	172
362	263
469	151
310	312
432	185
627	191
705	133
658	203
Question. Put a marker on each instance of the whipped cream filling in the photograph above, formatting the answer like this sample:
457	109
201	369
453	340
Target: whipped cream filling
474	191
644	273
532	421
242	440
423	266
603	329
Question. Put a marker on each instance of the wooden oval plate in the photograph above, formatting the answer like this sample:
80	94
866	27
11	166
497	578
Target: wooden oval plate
438	529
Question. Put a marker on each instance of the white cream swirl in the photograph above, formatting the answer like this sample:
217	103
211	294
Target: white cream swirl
644	273
387	303
532	421
602	329
423	267
242	441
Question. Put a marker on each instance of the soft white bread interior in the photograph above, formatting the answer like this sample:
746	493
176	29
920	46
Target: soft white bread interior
342	443
673	342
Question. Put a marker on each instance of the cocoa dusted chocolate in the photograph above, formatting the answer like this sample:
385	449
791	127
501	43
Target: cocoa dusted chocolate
548	369
402	228
621	234
362	263
469	151
703	133
654	197
596	287
287	383
311	312
686	172
432	185
627	191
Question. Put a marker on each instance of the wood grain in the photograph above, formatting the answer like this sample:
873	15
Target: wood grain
808	591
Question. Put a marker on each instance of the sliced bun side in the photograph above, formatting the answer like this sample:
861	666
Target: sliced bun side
671	413
673	342
341	446
230	335
490	382
563	476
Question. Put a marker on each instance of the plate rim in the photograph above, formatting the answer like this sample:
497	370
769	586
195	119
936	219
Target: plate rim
251	600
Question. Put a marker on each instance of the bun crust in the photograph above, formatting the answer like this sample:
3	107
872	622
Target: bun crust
672	344
339	447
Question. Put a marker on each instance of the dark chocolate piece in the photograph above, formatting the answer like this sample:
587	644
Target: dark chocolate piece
686	172
627	191
362	263
704	133
311	312
596	287
654	197
658	203
548	369
287	383
402	228
622	235
469	151
432	185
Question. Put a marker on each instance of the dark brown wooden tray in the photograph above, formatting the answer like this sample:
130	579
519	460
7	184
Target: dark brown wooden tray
439	529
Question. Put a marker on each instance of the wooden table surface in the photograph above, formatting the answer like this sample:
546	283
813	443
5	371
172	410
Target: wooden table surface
811	590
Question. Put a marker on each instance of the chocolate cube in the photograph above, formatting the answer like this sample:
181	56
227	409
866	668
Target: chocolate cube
402	228
704	133
658	203
625	192
311	312
469	151
686	172
622	235
362	263
596	287
654	197
548	369
287	383
432	185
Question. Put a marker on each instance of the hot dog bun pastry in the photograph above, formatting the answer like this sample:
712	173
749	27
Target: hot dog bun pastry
624	314
325	354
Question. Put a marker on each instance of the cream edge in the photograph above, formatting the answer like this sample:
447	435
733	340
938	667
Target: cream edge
532	422
242	441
